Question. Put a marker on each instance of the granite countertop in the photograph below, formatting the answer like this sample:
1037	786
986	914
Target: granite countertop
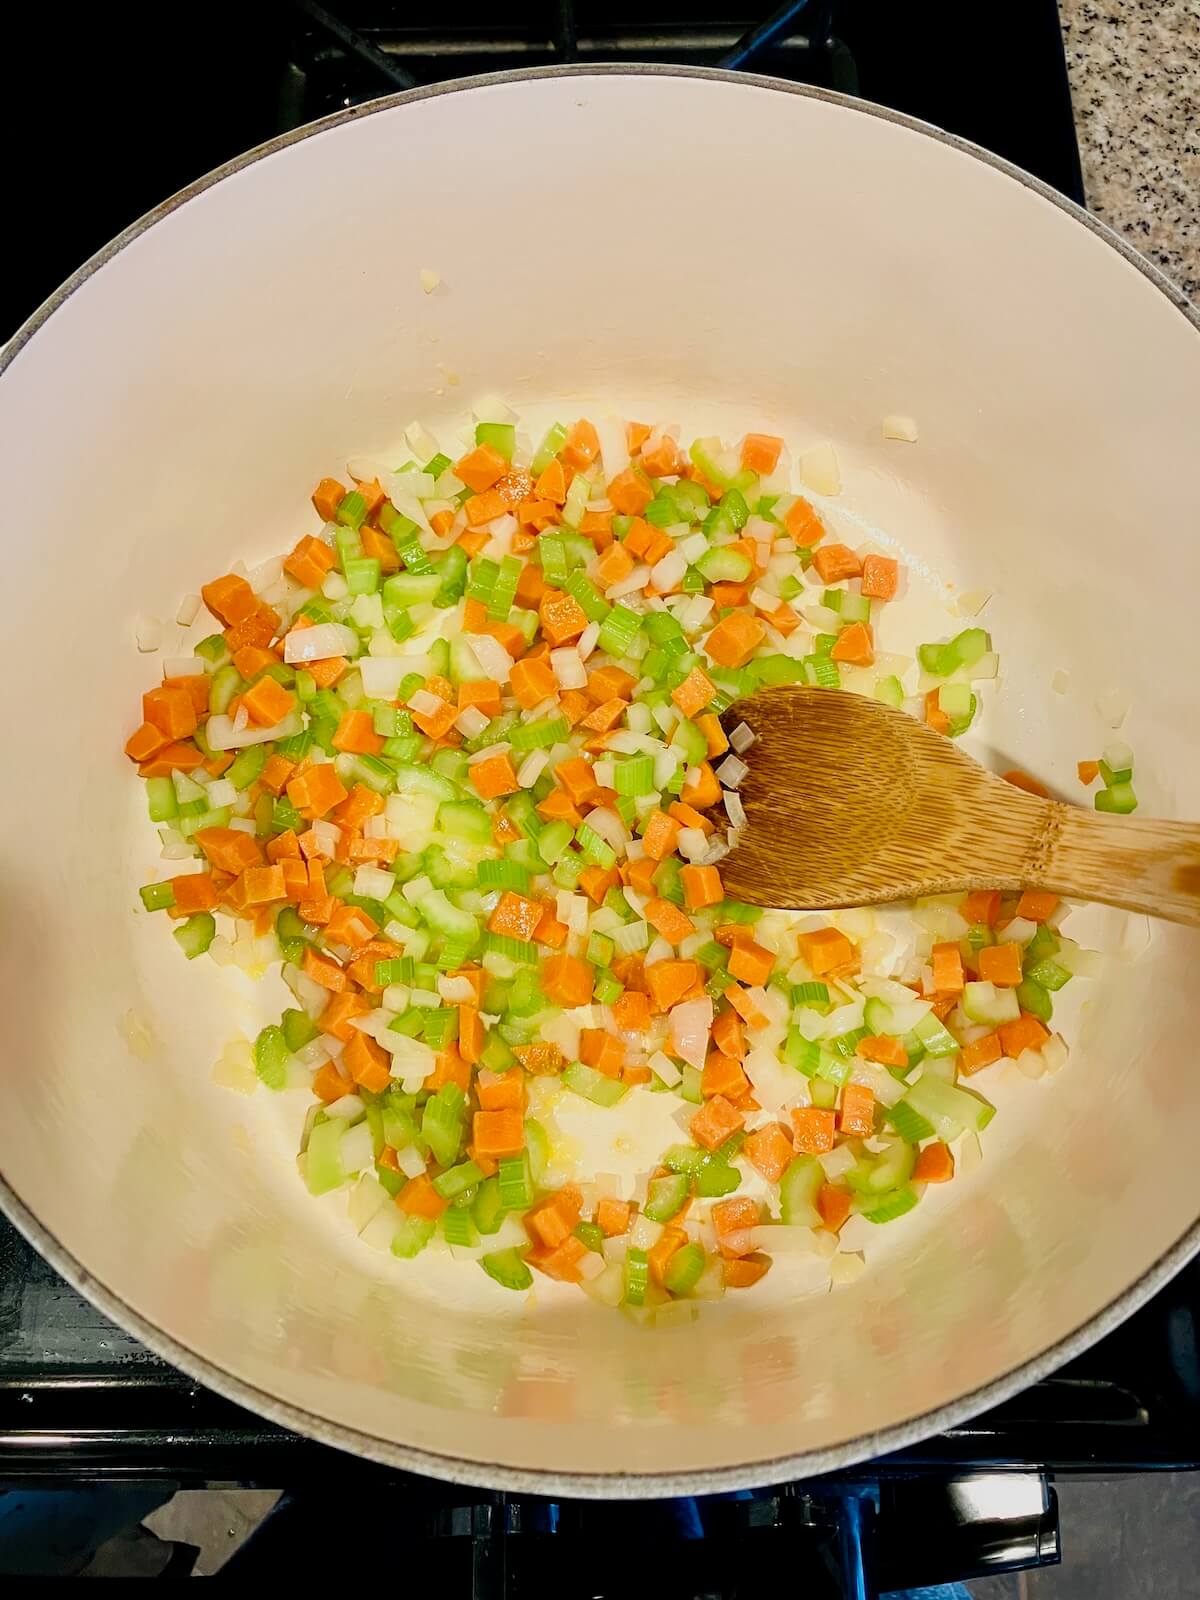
1135	82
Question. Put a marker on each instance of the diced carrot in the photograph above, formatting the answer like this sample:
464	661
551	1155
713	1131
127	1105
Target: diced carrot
449	1067
252	659
356	734
326	672
480	468
310	562
582	446
855	645
559	807
980	1053
329	1085
981	906
561	1263
668	920
577	778
613	1217
803	523
262	885
1026	1033
733	1220
146	743
728	1035
1035	905
668	982
631	1012
379	547
321	969
196	684
702	789
532	682
541	1060
368	1063
629	494
327	497
884	1049
714	734
486	507
515	916
660	835
259	628
934	715
230	598
694	693
597	526
835	562
514	486
743	1272
745	1007
825	949
734	639
229	849
494	776
833	1205
567	980
551	1220
814	1128
615	563
1088	771
857	1113
597	881
358	806
267	702
482	693
552	485
935	1164
1001	964
751	963
946	962
170	711
561	616
1023	780
335	1019
419	1198
701	886
602	1051
663	460
760	453
713	1123
194	891
723	1075
182	756
351	926
499	1133
316	790
769	1151
723	595
880	577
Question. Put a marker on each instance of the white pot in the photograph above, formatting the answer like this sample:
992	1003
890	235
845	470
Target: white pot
728	252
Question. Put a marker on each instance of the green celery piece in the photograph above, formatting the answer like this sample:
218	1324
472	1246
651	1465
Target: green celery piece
271	1057
506	1268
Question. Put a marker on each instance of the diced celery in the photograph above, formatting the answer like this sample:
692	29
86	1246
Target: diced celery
798	1190
1032	997
412	1235
984	1003
890	691
196	934
271	1057
506	1268
666	1196
938	1041
1120	800
684	1268
592	1085
502	436
637	1276
887	1207
323	1168
947	1107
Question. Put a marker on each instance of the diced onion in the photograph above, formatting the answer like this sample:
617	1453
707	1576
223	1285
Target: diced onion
731	771
494	660
1113	707
471	722
568	668
319	642
819	470
741	739
147	634
897	426
223	734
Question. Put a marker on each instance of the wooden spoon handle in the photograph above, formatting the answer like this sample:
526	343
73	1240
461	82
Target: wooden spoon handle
1123	861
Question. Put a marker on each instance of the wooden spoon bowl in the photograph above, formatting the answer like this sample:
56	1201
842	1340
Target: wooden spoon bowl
850	802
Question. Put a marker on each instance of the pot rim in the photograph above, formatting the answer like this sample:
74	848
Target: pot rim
583	1485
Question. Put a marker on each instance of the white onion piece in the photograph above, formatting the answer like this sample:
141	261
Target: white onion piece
668	573
819	470
382	675
688	1030
630	584
665	1069
732	771
147	634
734	809
471	722
531	769
1113	707
184	667
222	733
609	826
692	843
494	660
410	1161
349	1108
896	426
488	751
320	642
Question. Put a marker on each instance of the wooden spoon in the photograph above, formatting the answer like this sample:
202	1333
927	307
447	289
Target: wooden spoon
849	802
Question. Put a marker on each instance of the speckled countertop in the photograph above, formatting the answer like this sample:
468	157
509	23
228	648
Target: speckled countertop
1135	82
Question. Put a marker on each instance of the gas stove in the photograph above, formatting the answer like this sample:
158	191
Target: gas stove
82	1401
